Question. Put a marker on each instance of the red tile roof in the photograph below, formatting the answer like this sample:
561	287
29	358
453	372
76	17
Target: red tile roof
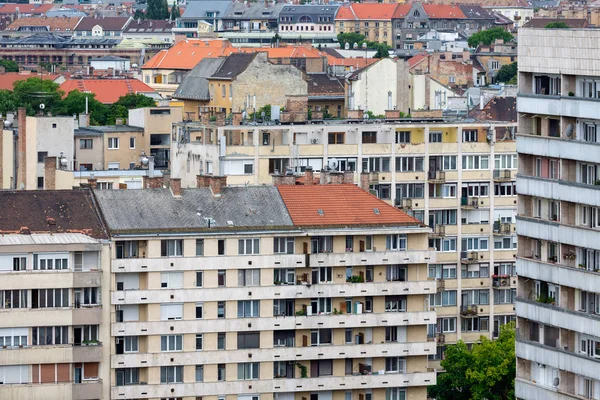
402	10
59	24
106	90
416	59
11	8
366	11
443	11
8	79
357	208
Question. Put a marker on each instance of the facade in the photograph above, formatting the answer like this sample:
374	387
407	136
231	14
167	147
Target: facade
251	17
300	23
254	294
558	296
55	310
149	29
492	57
102	27
26	26
201	18
446	174
373	20
520	15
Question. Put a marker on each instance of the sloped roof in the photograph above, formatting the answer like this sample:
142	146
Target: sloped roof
443	11
50	211
53	23
198	9
313	11
402	10
366	11
107	24
8	79
11	8
107	91
321	84
149	26
195	84
542	22
187	53
157	210
233	65
474	11
417	59
255	11
357	208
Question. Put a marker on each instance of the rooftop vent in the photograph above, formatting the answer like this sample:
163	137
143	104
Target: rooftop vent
320	212
376	211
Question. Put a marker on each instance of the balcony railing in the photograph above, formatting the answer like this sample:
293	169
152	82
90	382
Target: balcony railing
501	280
502	228
469	202
438	231
469	257
502	175
436	176
405	204
468	310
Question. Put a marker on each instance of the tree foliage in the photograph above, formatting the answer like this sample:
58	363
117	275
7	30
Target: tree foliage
383	51
507	73
557	25
157	9
33	91
9	65
351	38
175	12
488	36
487	371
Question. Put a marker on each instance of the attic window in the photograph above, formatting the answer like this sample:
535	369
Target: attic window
229	223
238	13
376	211
266	13
320	212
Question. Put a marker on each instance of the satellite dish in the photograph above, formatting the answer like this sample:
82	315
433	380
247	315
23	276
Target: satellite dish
63	162
333	164
144	160
42	106
347	46
556	381
569	130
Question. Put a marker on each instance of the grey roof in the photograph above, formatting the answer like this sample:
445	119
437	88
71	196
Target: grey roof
195	84
197	9
253	11
51	39
312	11
233	65
473	11
65	12
154	210
110	58
87	132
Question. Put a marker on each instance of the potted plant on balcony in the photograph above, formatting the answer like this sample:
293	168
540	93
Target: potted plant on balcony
552	259
570	256
582	266
303	370
301	313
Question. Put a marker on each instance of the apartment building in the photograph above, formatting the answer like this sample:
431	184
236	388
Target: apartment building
267	292
558	304
456	177
54	267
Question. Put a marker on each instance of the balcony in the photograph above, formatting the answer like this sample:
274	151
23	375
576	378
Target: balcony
372	258
60	353
556	316
566	106
389	349
557	232
502	175
404	204
502	228
558	358
302	291
469	311
571	149
469	257
501	281
469	203
559	190
438	231
274	385
571	276
217	262
436	176
34	279
525	389
87	390
273	323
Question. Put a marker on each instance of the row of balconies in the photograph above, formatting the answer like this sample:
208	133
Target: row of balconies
559	273
498	175
388	349
275	261
86	390
345	383
27	317
63	353
571	106
35	279
558	190
273	323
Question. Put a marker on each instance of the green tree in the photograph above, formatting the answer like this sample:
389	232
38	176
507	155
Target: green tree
487	371
350	38
131	100
383	51
9	65
74	103
32	92
175	12
139	14
507	73
157	9
557	25
7	102
488	36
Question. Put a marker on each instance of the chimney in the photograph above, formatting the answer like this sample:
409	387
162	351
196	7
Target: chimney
50	164
152	182
216	184
175	185
84	120
284	179
119	121
309	175
364	181
220	118
349	177
22	149
481	100
93	182
202	181
324	177
336	178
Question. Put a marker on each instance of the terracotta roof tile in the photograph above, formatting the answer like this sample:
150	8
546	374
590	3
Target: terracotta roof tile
106	90
402	10
60	24
11	8
107	24
437	11
366	11
416	59
358	207
8	79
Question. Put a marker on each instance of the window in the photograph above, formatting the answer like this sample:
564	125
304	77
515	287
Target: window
284	276
321	305
474	243
369	137
495	65
220	309
131	344
395	364
171	311
86	144
248	371
376	164
477	324
504	296
336	138
321	244
477	296
505	243
442	217
445	190
248	308
171	248
132	142
199	310
505	161
395	303
435	137
42	298
476	189
505	189
113	143
41	156
221	373
445	298
171	343
395	273
470	135
504	269
442	271
320	337
171	280
221	341
40	336
50	261
249	246
475	271
322	274
248	340
442	163
410	190
396	242
475	162
409	164
448	325
249	277
171	374
127	376
443	244
391	333
402	137
199	373
199	278
199	341
283	245
86	296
